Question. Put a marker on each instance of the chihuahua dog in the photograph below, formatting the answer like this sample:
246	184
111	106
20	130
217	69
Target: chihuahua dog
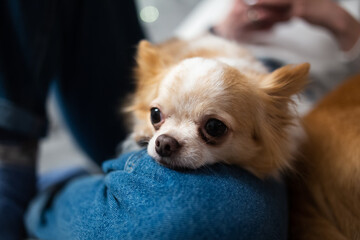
209	100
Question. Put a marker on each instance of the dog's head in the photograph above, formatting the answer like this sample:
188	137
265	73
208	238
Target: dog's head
201	111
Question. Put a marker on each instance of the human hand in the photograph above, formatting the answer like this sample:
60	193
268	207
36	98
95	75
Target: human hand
328	14
247	16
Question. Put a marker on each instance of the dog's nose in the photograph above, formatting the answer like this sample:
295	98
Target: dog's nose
166	145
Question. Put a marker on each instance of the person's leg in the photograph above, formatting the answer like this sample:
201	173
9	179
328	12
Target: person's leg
27	64
17	187
99	46
139	199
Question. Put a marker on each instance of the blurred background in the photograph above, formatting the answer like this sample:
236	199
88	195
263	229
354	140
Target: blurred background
162	19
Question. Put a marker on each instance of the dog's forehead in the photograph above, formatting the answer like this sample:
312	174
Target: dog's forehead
196	87
190	74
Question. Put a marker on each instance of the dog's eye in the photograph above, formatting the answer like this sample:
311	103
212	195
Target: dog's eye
215	127
155	115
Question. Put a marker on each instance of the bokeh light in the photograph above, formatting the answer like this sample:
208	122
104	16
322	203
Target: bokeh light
149	14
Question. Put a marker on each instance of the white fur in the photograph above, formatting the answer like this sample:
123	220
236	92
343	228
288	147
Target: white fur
181	121
194	153
191	71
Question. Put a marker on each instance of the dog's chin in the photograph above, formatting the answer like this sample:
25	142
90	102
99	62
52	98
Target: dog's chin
171	163
176	161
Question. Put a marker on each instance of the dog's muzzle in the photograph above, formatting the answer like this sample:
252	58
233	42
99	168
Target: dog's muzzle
166	145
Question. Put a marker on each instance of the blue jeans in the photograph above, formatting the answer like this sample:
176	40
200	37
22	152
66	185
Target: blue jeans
17	187
86	50
136	198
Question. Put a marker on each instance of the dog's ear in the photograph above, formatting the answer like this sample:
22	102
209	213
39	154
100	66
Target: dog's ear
149	65
148	60
286	81
272	128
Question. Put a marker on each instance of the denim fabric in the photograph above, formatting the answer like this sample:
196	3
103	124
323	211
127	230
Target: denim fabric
97	60
139	199
20	121
17	187
58	177
26	67
87	48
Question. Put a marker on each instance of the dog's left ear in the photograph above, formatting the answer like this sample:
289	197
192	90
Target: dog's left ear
286	81
271	130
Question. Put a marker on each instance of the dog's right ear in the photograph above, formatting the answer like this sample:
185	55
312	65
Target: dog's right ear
148	60
149	66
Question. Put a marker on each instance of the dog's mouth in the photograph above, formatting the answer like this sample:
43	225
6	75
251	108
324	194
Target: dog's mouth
172	164
173	154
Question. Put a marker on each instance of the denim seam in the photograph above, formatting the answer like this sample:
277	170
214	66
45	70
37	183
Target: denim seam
132	161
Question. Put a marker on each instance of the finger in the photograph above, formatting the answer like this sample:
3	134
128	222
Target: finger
257	14
239	6
264	18
269	2
274	14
